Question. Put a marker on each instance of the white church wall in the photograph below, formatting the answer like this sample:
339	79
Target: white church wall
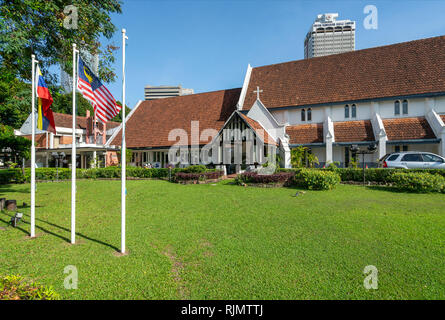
416	108
319	153
364	112
430	147
293	116
260	114
280	116
337	154
439	105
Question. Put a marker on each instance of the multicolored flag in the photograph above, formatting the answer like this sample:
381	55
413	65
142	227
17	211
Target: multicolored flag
93	90
45	118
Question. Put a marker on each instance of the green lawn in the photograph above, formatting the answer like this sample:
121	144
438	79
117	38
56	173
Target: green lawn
230	242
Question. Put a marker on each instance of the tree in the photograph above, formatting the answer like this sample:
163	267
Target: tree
40	27
19	147
297	157
301	157
118	117
15	100
63	103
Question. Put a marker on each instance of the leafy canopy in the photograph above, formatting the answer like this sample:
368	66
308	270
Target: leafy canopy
37	26
19	146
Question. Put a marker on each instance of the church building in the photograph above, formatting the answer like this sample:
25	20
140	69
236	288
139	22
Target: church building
392	97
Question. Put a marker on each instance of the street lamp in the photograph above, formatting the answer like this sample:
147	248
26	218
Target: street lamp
372	148
59	158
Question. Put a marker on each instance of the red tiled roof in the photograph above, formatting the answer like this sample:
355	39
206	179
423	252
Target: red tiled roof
409	68
305	133
353	131
151	123
66	121
443	117
259	130
408	129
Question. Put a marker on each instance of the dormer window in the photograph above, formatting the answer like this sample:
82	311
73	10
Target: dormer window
405	107
303	115
353	111
397	107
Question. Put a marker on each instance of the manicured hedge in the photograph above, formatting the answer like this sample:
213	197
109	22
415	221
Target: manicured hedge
377	175
316	179
418	182
50	174
202	176
253	177
303	178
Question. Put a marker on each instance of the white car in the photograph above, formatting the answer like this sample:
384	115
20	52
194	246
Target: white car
414	160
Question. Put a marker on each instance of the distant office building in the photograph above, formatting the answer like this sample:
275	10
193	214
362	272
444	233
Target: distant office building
92	61
158	92
329	36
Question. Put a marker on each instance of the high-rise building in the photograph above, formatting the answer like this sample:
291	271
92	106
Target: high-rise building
329	36
158	92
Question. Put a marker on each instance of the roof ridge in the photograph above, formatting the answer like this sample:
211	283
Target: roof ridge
191	95
352	52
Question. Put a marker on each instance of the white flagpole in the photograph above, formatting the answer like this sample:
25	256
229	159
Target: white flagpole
33	149
124	147
73	154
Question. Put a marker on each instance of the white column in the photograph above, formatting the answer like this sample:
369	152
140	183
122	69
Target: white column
95	158
124	147
33	150
329	135
73	154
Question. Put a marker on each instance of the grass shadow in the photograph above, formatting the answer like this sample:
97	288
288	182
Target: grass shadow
81	235
8	188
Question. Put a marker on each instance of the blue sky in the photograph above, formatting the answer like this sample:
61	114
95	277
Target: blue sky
207	44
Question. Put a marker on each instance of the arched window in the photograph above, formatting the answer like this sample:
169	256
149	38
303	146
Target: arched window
397	107
347	111
303	115
309	114
405	107
353	111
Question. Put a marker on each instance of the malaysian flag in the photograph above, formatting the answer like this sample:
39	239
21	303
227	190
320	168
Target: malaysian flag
94	91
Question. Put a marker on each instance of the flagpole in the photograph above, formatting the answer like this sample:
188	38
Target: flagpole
73	155
33	150
124	147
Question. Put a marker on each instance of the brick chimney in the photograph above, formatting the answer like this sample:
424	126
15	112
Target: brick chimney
89	128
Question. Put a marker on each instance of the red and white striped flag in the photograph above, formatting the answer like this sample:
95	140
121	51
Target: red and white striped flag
94	91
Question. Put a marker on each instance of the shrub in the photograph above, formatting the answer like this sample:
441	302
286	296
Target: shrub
17	288
187	176
253	177
317	179
195	169
418	182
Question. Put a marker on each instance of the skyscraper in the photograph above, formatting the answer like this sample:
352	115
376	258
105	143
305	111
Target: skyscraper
159	92
329	36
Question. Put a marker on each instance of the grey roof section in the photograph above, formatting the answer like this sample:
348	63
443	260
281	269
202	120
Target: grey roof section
26	126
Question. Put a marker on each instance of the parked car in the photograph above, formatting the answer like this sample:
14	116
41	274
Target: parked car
414	160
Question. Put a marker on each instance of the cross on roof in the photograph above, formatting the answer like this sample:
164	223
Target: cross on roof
257	91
